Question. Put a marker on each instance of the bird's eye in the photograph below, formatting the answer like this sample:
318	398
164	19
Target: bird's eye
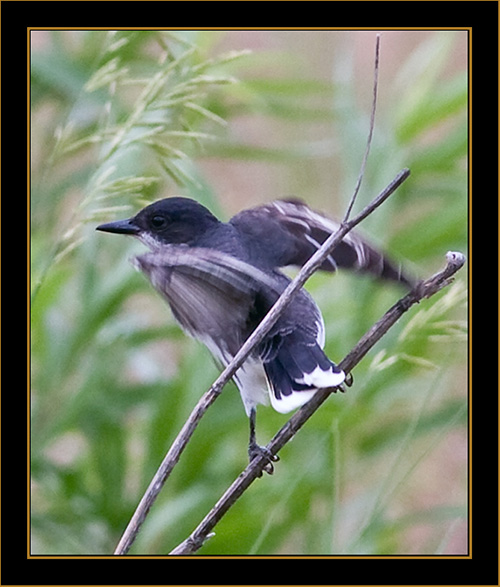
158	221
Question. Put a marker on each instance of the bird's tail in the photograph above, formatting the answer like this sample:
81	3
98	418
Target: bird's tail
296	372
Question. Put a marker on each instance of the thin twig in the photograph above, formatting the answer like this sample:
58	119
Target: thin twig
422	290
370	132
256	337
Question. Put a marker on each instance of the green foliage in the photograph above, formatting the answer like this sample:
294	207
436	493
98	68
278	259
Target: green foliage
118	118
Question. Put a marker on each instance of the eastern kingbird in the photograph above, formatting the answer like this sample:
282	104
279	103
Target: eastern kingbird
220	279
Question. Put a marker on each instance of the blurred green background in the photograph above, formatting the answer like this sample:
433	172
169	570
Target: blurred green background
234	119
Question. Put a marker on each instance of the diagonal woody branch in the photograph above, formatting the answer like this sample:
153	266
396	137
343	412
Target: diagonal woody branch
307	270
256	337
424	289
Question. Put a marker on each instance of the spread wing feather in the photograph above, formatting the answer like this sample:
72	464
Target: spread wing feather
210	293
297	232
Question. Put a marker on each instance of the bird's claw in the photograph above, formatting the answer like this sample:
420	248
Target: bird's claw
256	451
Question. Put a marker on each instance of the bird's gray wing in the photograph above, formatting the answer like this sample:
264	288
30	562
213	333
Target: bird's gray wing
210	293
291	233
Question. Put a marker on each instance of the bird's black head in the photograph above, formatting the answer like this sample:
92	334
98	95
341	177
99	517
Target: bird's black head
168	221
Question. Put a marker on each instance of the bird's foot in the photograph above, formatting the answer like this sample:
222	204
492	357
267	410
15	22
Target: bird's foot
256	451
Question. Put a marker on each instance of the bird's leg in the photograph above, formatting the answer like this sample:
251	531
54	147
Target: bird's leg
254	450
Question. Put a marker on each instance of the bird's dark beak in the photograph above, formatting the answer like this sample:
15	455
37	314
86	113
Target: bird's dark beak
120	227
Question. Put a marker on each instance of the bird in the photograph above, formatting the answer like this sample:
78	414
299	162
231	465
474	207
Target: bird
221	278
